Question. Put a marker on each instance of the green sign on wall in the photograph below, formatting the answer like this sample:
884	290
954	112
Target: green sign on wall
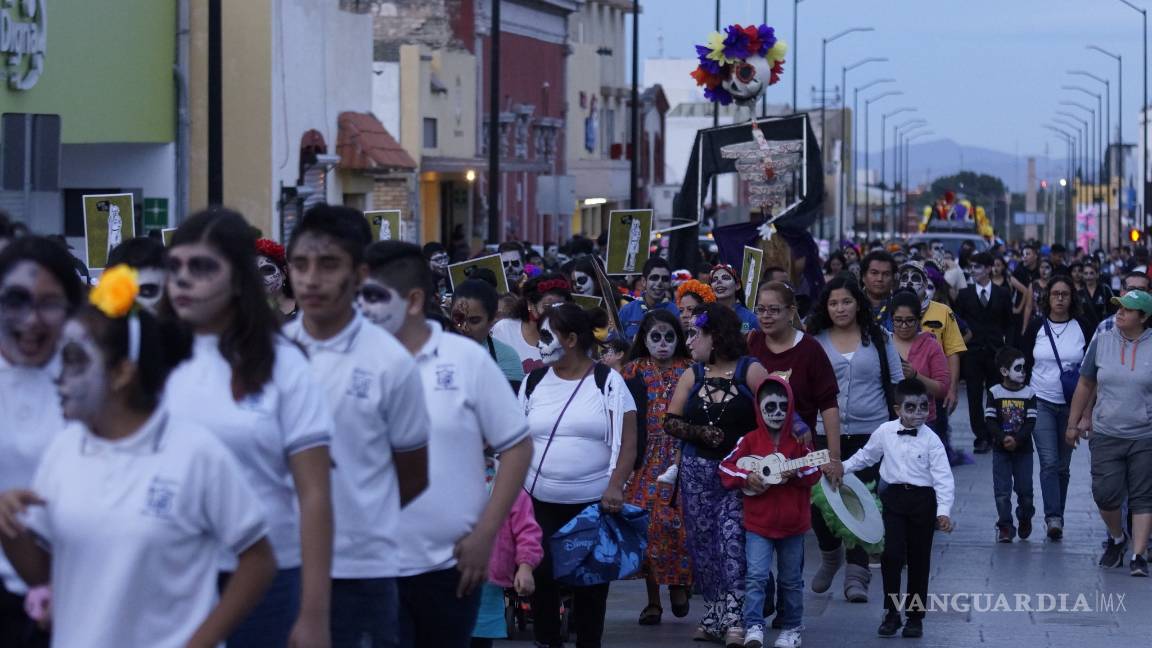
155	213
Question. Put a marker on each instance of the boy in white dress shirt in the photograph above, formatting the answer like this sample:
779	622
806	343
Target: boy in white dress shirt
917	501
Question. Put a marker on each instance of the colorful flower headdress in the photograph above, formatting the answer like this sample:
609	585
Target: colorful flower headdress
697	288
272	250
115	296
725	58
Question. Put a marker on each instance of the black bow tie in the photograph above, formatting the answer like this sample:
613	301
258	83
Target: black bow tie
907	431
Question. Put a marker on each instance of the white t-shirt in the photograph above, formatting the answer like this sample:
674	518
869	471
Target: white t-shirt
377	399
135	527
1045	371
469	407
31	419
508	331
263	430
577	468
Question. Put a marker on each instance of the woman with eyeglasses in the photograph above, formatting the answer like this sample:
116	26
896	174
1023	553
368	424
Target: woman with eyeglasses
254	389
38	290
658	358
521	332
691	297
712	407
867	366
921	356
1060	330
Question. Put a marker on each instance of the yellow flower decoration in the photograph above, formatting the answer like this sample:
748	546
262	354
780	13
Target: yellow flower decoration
716	44
777	52
115	294
601	333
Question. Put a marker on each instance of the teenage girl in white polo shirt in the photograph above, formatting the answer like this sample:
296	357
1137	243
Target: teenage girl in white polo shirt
254	389
129	502
38	288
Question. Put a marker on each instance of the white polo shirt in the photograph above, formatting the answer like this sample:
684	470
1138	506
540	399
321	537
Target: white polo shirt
468	408
263	430
135	527
377	400
29	421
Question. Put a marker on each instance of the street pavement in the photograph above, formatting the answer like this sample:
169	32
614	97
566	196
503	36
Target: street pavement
1101	607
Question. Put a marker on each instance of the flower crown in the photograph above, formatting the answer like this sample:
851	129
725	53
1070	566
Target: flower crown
272	250
697	288
553	284
719	57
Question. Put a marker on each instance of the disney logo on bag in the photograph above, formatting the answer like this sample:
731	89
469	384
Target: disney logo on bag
575	544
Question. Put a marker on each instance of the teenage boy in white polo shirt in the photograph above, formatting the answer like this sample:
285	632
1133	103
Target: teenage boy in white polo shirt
379	443
448	531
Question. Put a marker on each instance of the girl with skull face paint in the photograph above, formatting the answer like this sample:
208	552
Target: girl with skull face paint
522	333
273	266
132	499
729	291
473	313
585	448
658	359
38	290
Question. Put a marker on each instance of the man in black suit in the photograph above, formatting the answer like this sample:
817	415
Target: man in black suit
987	309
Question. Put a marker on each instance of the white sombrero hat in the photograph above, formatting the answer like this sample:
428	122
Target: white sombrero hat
850	511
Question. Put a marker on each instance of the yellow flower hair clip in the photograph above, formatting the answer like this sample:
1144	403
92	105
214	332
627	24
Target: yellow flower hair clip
601	333
115	293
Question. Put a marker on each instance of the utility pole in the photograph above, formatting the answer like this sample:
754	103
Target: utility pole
494	180
634	166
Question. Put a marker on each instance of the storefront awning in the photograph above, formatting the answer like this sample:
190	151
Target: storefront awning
363	144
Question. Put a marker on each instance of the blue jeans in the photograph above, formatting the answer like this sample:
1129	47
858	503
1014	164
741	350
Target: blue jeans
789	553
1012	471
365	613
430	613
1055	456
270	622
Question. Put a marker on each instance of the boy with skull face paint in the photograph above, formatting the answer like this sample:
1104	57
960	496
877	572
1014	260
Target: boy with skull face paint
1010	414
657	294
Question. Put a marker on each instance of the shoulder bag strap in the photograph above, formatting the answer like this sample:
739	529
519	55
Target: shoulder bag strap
1051	341
554	428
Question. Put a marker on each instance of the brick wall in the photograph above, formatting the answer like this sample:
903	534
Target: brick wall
415	22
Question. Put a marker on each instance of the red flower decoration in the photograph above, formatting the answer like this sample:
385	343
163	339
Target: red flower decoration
777	70
705	78
272	250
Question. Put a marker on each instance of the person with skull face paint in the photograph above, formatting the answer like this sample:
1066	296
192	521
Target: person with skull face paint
659	358
729	291
131	499
145	255
657	294
692	296
585	449
438	261
777	518
987	309
474	311
1010	415
512	258
939	320
522	333
38	289
254	389
916	502
273	266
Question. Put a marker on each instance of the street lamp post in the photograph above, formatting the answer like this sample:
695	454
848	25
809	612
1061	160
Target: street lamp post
1070	142
884	157
855	149
1094	142
1107	130
841	193
908	139
1120	140
1072	120
824	89
867	161
898	167
795	50
1144	117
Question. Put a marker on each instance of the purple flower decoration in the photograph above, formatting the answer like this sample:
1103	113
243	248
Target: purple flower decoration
718	94
767	39
701	320
736	44
710	66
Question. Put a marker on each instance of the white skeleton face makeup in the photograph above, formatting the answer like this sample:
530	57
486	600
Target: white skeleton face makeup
913	279
382	305
33	308
723	284
199	283
151	283
658	282
749	79
928	295
979	272
774	408
83	383
272	275
439	263
1015	373
914	411
513	266
582	283
661	341
549	345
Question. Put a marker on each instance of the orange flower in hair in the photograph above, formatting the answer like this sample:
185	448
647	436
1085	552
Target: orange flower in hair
115	294
697	288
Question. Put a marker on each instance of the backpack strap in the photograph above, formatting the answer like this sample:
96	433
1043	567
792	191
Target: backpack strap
532	379
600	373
740	376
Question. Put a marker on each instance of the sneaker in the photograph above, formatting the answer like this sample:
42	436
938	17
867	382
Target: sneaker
1139	566
1055	528
1114	553
754	638
734	638
913	628
1005	533
1024	529
789	638
890	625
669	476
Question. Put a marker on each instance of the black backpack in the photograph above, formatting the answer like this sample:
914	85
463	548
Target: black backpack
600	374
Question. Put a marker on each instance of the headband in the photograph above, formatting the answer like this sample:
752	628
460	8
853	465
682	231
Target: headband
115	297
553	284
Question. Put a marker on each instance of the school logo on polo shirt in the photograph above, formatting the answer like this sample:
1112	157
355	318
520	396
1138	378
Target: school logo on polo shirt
161	497
360	384
445	377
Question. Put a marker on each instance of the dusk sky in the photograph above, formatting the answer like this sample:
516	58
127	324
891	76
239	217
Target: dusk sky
982	72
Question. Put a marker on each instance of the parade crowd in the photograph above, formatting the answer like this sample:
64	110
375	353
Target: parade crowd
333	443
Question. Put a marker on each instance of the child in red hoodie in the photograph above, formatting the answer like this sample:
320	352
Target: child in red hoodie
776	517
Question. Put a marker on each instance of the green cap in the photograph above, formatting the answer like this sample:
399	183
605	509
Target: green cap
1135	300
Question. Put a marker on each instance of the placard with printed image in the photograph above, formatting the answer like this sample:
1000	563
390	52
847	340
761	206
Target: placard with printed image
750	270
460	272
109	220
385	224
629	233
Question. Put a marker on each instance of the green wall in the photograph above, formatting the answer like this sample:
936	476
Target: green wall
108	71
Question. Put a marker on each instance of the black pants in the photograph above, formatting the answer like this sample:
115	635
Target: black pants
16	629
909	524
430	612
589	603
978	368
849	444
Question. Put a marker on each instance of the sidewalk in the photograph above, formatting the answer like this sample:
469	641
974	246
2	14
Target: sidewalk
965	561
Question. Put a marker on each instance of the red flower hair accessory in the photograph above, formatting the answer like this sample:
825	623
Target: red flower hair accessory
272	250
553	284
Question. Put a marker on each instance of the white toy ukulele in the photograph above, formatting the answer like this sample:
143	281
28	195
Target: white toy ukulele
772	465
